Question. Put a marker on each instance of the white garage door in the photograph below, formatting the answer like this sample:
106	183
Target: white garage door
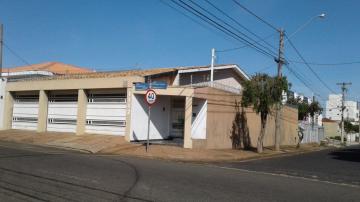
25	112
62	112
106	112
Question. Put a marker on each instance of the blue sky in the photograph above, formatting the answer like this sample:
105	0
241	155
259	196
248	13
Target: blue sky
113	35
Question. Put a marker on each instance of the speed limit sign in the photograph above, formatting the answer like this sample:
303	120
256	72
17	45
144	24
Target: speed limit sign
150	97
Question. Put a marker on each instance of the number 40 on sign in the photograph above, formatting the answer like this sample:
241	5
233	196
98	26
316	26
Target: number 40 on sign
150	97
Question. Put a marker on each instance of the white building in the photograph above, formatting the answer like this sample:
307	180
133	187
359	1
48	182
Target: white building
333	109
295	95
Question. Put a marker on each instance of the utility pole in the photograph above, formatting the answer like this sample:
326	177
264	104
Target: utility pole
212	67
358	121
343	89
1	49
280	61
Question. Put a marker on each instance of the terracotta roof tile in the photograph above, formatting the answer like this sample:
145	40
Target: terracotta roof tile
54	67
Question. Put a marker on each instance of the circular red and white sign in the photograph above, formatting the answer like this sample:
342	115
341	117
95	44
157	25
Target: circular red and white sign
150	97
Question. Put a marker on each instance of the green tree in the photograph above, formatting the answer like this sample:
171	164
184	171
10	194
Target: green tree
305	109
314	108
350	128
262	92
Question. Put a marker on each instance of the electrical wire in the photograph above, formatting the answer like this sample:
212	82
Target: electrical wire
307	64
220	27
327	64
244	46
15	54
232	27
192	19
238	23
258	17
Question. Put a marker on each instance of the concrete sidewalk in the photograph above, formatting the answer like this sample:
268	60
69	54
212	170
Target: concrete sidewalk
84	143
116	145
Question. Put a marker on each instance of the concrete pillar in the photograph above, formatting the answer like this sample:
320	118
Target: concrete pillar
43	111
129	95
8	112
81	112
187	123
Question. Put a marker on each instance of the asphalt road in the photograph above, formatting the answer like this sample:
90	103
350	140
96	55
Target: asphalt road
333	165
30	173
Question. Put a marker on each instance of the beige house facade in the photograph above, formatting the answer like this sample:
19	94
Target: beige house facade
192	110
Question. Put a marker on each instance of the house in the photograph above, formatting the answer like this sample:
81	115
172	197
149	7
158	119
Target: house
194	110
34	71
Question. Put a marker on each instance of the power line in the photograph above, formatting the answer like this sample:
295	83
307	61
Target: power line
298	77
302	79
222	21
192	19
237	22
232	27
258	17
15	54
307	64
220	27
327	64
244	46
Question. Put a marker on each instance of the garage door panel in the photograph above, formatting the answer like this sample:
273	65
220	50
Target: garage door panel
107	118
102	105
24	125
61	128
25	112
111	130
62	109
62	113
106	113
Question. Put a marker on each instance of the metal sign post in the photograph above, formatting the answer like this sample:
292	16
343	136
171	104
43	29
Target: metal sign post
148	129
150	98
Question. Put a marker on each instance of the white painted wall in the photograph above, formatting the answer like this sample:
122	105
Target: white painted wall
2	101
160	118
198	126
227	77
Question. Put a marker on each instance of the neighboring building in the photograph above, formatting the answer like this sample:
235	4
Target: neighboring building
294	95
331	127
333	109
200	113
55	68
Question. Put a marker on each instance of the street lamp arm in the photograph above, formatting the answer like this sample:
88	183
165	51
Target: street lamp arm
322	15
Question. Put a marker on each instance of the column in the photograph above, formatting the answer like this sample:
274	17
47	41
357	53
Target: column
187	123
81	112
8	111
128	113
43	111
